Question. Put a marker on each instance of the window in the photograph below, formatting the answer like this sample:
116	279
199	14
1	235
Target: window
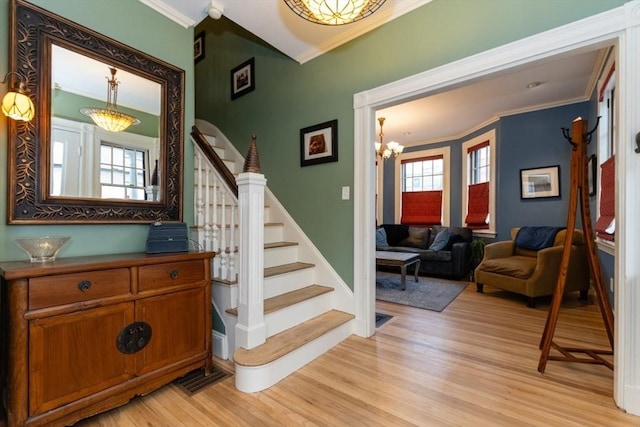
479	184
422	174
122	172
422	191
422	187
605	225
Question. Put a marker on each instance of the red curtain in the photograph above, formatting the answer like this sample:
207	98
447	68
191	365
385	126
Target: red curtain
478	208
607	199
422	208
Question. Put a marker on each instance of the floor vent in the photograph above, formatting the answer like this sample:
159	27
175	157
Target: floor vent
196	380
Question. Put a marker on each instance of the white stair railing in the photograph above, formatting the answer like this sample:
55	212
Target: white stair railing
216	210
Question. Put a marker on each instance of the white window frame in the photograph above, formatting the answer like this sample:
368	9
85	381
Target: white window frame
445	152
91	138
491	137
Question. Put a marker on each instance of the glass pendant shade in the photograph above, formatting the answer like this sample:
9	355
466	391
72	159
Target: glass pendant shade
334	12
109	118
17	105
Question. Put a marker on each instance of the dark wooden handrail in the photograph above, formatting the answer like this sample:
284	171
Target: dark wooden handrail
215	160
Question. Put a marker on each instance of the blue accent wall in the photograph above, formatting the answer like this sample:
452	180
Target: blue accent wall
524	141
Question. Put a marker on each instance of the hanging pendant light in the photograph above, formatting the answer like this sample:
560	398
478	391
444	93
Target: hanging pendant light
334	12
383	150
17	104
109	118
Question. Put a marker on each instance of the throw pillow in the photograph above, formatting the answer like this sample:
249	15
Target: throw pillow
441	240
418	238
395	233
381	239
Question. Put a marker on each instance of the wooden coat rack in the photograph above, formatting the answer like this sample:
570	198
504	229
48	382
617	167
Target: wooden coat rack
579	140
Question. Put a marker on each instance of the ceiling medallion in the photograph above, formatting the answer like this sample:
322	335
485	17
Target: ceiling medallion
334	12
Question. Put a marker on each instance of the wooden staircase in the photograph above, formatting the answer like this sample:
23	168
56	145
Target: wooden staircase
306	304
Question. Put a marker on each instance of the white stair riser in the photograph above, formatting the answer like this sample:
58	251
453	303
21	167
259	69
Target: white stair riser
280	255
253	379
301	312
273	233
219	151
282	283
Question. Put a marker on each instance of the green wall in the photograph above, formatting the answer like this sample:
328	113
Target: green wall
138	26
289	96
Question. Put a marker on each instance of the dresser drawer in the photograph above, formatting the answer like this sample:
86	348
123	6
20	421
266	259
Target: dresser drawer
170	274
70	288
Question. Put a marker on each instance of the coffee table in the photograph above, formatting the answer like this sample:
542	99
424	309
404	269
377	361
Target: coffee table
399	259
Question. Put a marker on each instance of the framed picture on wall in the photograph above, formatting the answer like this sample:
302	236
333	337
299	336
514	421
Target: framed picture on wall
540	182
198	47
243	79
319	143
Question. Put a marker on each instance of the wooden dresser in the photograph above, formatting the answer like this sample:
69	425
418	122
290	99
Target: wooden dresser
84	335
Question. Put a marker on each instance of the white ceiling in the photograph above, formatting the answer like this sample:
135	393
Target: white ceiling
564	79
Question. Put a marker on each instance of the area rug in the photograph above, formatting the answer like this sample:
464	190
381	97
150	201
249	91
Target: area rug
428	293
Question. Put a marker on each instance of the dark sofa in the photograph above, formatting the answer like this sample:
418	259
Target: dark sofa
453	259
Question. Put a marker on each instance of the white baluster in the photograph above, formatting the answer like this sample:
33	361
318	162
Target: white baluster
232	243
224	268
207	208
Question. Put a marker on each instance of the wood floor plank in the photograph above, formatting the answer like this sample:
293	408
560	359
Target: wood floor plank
474	364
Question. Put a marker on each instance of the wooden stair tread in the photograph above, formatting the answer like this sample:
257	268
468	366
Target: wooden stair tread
286	268
287	341
279	244
290	298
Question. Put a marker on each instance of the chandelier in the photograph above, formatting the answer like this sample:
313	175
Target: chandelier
334	12
109	118
387	150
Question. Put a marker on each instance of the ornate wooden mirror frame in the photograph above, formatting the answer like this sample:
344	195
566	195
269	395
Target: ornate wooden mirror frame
33	30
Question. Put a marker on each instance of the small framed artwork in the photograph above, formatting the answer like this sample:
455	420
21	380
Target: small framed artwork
319	143
198	47
592	174
540	182
243	79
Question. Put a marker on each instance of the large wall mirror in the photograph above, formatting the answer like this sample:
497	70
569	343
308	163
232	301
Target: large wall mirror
63	166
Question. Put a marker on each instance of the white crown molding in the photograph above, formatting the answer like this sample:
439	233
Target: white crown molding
169	12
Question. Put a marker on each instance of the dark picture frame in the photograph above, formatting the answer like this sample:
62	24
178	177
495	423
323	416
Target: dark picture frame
541	182
243	79
198	47
319	143
592	174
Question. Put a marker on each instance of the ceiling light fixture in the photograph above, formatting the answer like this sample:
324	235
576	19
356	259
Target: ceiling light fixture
215	10
17	104
387	150
334	12
109	118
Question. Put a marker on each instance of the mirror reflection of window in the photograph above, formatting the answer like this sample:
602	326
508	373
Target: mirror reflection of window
122	172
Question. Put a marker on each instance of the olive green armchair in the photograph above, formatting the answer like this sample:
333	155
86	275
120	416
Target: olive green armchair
533	273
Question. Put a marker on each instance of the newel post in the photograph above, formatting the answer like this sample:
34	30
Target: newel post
251	329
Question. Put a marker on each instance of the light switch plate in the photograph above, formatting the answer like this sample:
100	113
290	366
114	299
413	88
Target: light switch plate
345	193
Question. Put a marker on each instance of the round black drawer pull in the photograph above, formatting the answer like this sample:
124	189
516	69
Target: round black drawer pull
84	285
173	274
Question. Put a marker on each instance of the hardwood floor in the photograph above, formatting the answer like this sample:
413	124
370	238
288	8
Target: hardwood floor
474	364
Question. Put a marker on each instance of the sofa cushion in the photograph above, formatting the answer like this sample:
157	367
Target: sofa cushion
517	266
441	240
417	238
381	239
396	233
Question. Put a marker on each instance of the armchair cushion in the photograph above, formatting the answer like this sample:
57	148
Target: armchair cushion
521	267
